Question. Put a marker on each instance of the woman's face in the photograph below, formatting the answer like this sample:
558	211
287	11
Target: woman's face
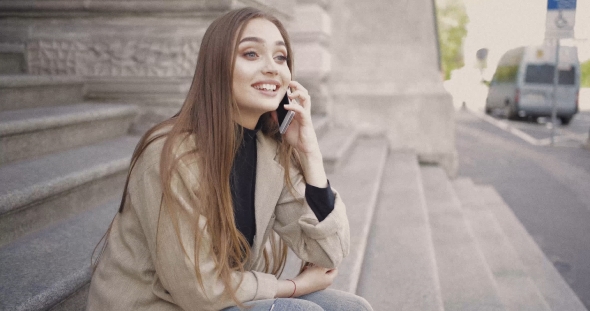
261	74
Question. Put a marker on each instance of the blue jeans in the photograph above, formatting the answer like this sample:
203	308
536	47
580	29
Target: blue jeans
324	300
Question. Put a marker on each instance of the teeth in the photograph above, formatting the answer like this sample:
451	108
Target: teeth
266	87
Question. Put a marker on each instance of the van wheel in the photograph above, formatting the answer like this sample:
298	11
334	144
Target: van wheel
565	120
512	112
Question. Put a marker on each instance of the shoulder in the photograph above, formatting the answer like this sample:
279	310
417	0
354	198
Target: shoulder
150	157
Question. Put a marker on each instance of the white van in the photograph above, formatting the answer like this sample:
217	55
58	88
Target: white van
523	83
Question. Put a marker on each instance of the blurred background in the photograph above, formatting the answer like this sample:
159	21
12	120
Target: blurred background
543	179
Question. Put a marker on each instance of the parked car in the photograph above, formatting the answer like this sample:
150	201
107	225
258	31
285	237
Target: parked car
522	85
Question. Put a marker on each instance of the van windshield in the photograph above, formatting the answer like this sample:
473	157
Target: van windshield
543	74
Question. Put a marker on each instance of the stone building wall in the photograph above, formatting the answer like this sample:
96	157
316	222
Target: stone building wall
371	65
386	76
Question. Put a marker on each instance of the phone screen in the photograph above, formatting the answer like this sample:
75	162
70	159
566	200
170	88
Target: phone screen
285	116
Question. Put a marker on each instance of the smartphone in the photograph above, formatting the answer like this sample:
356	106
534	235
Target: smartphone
285	116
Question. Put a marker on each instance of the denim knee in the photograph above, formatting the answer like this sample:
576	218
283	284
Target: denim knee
362	304
292	304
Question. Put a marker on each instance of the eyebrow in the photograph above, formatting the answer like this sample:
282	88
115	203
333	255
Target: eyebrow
259	40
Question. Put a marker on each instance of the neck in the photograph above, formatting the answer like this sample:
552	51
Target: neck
248	122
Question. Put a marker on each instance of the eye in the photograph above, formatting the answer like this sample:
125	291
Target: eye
281	58
250	54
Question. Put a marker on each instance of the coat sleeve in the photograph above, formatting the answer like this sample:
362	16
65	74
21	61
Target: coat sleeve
174	258
323	243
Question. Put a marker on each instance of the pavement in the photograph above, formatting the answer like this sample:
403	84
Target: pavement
546	187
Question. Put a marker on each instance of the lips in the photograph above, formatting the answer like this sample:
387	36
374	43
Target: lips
267	86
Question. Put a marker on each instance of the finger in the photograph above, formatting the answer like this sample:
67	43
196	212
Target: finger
332	271
294	85
303	99
297	108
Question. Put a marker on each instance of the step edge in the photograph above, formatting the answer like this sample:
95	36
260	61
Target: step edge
372	203
14	201
64	287
547	266
24	126
456	203
26	80
476	207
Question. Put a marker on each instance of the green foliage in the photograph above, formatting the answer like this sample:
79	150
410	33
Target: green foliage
451	20
585	74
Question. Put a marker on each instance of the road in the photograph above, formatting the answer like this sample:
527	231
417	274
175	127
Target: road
548	187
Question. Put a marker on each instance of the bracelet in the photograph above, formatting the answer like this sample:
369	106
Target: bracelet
294	290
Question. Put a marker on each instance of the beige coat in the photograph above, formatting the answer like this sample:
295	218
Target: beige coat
129	277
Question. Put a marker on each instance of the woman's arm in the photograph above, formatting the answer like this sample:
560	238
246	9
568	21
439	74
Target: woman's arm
312	279
301	135
323	243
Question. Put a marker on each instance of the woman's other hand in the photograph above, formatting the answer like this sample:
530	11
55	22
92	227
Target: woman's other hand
312	279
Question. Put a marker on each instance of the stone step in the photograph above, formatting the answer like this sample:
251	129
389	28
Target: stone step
52	266
12	58
27	133
555	291
399	269
358	181
515	287
35	193
28	91
465	279
335	145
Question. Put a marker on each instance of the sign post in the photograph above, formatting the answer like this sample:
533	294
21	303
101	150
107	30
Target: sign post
561	17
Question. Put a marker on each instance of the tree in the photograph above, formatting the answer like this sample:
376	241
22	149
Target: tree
451	21
585	74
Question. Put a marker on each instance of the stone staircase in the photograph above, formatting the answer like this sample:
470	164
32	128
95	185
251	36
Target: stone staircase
419	241
62	165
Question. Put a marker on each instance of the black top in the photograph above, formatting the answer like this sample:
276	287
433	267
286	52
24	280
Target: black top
243	184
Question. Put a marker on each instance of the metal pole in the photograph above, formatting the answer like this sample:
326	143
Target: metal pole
555	83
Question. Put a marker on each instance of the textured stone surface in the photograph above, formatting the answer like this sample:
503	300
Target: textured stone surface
30	91
38	192
515	287
385	75
31	132
42	269
555	291
419	121
336	146
465	278
399	271
359	182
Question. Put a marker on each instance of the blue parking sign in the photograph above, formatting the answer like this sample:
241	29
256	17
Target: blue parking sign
561	4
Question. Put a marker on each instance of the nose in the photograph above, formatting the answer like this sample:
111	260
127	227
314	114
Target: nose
270	67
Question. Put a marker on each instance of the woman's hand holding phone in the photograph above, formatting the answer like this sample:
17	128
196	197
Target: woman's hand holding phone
301	135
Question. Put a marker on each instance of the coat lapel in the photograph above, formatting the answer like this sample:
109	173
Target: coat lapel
269	184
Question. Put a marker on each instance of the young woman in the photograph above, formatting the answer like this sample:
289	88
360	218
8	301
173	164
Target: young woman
208	189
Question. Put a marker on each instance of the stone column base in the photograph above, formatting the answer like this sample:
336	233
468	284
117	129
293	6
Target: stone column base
422	122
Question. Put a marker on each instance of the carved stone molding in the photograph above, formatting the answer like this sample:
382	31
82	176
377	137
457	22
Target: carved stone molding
114	58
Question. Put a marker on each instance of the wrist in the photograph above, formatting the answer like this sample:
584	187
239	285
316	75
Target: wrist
312	165
293	294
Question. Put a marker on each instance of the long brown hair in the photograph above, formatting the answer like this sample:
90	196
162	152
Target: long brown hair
208	114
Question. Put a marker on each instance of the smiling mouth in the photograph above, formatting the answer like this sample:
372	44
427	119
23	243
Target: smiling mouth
266	87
